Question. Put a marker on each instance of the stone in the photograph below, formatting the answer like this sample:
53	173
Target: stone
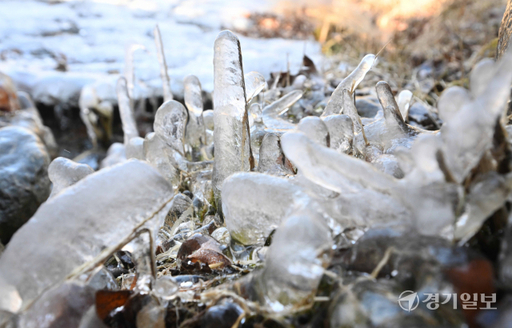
24	182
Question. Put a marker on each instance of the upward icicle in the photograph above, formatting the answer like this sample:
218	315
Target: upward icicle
231	134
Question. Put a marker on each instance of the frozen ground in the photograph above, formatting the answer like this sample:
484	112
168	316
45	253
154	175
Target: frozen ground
92	37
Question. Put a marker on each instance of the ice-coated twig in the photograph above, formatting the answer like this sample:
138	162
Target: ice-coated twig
254	84
196	131
335	104
129	71
271	112
166	81
126	111
88	99
231	134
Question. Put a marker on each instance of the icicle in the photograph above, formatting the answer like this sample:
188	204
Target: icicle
351	110
166	81
391	110
196	131
129	72
126	111
231	134
350	83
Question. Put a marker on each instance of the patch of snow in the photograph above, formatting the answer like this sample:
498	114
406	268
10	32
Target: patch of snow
93	35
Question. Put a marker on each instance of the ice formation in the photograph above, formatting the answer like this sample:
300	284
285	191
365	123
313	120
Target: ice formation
336	104
64	172
315	185
81	224
231	134
164	75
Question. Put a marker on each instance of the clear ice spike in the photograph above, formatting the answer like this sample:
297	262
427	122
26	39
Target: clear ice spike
126	111
231	135
196	131
336	103
166	81
270	113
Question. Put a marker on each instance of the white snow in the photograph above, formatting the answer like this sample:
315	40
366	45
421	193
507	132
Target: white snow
93	35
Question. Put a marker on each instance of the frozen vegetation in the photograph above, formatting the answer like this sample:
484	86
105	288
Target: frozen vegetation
260	210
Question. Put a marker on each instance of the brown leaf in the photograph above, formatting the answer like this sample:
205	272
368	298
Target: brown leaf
203	249
108	300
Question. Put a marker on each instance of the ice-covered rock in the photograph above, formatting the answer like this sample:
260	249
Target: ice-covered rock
64	172
28	117
82	225
24	182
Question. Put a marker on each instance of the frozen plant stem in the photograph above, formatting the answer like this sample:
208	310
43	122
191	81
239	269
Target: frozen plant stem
126	111
231	134
166	81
